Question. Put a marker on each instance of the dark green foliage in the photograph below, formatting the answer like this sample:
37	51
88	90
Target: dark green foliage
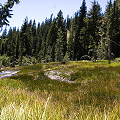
94	23
51	40
5	62
5	11
114	24
68	23
62	32
90	33
79	24
59	48
65	59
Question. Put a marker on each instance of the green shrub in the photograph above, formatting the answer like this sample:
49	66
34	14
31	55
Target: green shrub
65	59
5	61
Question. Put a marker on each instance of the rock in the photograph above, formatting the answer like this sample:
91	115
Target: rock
85	57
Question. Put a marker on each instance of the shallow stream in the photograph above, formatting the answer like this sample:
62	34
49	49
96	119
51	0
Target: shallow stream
4	74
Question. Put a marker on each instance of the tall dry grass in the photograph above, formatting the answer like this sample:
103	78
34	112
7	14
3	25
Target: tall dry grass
31	95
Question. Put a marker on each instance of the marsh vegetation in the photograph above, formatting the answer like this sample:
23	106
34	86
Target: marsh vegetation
31	94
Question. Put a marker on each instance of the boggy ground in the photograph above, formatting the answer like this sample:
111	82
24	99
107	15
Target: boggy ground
93	92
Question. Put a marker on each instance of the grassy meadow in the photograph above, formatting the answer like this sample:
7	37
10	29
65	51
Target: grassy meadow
92	92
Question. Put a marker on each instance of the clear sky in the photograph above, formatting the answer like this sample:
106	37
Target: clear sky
42	9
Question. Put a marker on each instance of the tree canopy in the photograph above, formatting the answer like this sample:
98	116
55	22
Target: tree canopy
5	11
87	33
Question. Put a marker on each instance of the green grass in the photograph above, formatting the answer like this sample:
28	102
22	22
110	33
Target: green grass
94	95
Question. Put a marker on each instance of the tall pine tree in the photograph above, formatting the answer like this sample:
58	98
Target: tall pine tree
78	48
94	23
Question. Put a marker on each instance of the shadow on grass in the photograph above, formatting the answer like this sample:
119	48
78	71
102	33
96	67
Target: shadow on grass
98	86
42	82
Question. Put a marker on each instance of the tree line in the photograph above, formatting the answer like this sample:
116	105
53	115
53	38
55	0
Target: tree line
57	39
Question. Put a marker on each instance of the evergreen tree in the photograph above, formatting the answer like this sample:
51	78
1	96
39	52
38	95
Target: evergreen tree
94	23
51	40
34	42
60	19
78	48
45	26
13	45
114	33
70	45
61	26
4	34
3	40
39	39
59	39
59	50
68	23
23	38
43	45
17	43
28	40
5	11
9	42
109	29
49	54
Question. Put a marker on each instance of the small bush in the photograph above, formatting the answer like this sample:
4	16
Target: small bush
65	59
27	60
34	60
5	61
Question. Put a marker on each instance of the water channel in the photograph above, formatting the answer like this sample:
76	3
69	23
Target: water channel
4	74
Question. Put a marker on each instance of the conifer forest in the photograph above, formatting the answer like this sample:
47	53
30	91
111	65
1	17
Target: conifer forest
91	33
44	69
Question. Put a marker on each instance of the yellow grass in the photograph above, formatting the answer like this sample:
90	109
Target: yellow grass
32	96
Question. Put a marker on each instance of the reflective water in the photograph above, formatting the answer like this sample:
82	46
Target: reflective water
4	74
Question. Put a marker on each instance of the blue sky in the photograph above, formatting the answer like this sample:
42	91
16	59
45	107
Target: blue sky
40	9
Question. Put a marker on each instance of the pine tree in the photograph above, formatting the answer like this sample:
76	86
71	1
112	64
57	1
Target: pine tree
13	45
77	45
112	25
59	50
58	39
94	23
34	42
70	44
23	38
4	34
49	54
78	48
115	29
61	26
45	26
51	40
39	39
109	29
5	11
17	43
60	19
3	45
9	42
68	23
3	42
28	40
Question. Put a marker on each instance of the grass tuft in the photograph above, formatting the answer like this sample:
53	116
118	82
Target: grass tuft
94	94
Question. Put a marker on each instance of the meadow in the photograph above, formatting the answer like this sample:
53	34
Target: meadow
89	91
